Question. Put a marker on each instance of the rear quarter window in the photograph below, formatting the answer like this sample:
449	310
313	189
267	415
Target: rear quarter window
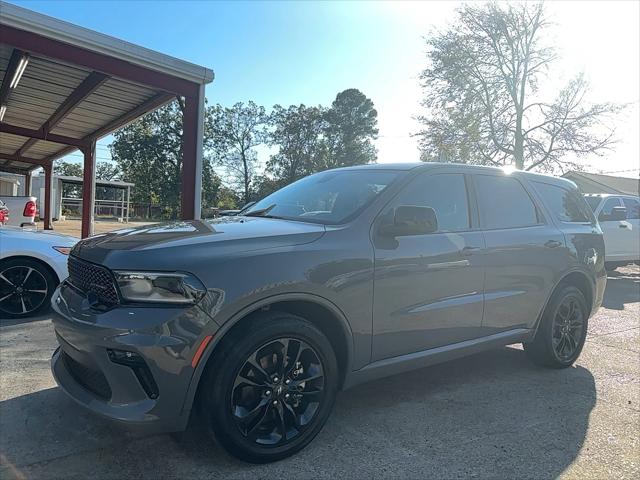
567	205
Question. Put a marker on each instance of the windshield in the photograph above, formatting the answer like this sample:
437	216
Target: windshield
593	202
329	197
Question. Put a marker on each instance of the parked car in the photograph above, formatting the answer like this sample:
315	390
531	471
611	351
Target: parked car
22	210
4	214
32	264
340	278
619	217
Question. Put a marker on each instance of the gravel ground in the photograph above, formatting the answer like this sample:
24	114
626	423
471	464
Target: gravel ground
492	415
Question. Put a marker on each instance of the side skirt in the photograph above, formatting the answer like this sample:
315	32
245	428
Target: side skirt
412	361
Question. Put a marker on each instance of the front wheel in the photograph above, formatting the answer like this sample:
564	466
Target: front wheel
26	287
270	387
562	331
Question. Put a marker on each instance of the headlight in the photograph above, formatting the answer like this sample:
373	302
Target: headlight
158	287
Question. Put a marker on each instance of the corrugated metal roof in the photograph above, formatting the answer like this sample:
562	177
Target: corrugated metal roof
66	32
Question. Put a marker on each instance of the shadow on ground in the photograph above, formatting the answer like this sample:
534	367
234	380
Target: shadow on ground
489	415
622	288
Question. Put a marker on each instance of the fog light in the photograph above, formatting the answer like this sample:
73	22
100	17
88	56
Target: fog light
140	369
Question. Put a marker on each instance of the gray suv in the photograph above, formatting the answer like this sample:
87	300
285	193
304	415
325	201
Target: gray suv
256	321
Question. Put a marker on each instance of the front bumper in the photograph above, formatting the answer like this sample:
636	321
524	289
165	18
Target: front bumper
165	338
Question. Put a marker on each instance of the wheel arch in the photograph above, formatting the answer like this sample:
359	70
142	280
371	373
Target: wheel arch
38	260
578	279
322	313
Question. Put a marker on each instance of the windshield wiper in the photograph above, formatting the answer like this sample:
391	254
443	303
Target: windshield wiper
262	212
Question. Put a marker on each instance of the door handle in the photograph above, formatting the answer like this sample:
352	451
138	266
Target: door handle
622	225
467	251
552	244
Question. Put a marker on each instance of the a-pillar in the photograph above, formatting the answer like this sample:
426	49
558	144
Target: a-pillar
192	145
88	189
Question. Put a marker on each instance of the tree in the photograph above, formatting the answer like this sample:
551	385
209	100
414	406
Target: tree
235	132
148	152
351	126
107	171
67	169
298	132
483	98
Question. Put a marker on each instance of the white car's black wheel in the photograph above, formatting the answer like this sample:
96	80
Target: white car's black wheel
26	287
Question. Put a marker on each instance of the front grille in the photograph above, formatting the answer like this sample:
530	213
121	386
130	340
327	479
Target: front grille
89	378
90	278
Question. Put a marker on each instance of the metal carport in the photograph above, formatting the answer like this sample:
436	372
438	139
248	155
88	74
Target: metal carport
64	87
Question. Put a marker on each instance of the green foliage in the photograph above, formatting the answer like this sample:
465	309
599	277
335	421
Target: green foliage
234	133
482	94
148	152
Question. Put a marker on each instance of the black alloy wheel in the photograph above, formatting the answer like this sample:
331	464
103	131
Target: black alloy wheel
568	327
269	386
277	391
26	287
562	331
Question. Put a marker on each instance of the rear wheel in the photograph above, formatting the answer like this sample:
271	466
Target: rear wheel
562	331
26	287
270	387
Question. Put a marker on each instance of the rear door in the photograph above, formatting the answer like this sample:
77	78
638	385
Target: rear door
523	253
428	289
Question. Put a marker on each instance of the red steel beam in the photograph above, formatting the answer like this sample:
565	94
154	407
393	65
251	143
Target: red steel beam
27	184
189	152
148	106
41	135
32	42
89	85
88	189
48	182
16	158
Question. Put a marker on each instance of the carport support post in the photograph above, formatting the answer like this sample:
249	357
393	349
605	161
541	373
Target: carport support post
88	188
27	184
192	145
48	184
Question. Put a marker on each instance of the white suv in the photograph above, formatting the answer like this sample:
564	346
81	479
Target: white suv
619	217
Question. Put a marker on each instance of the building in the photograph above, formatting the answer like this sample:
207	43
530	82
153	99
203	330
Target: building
63	87
598	183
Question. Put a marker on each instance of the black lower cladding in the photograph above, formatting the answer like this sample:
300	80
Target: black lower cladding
140	369
88	377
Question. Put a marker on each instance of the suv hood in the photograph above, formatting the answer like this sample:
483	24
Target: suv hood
174	245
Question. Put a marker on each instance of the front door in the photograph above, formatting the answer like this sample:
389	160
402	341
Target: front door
428	289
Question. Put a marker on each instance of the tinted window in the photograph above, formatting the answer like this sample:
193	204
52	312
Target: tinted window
504	203
633	208
445	193
329	197
566	205
605	213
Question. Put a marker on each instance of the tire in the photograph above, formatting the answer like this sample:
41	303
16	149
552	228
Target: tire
301	399
26	287
547	349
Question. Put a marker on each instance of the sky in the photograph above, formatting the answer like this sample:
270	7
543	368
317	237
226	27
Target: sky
306	52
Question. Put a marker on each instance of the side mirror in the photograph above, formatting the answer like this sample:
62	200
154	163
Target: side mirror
411	220
618	213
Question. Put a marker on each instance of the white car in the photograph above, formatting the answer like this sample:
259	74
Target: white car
32	264
619	218
22	210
